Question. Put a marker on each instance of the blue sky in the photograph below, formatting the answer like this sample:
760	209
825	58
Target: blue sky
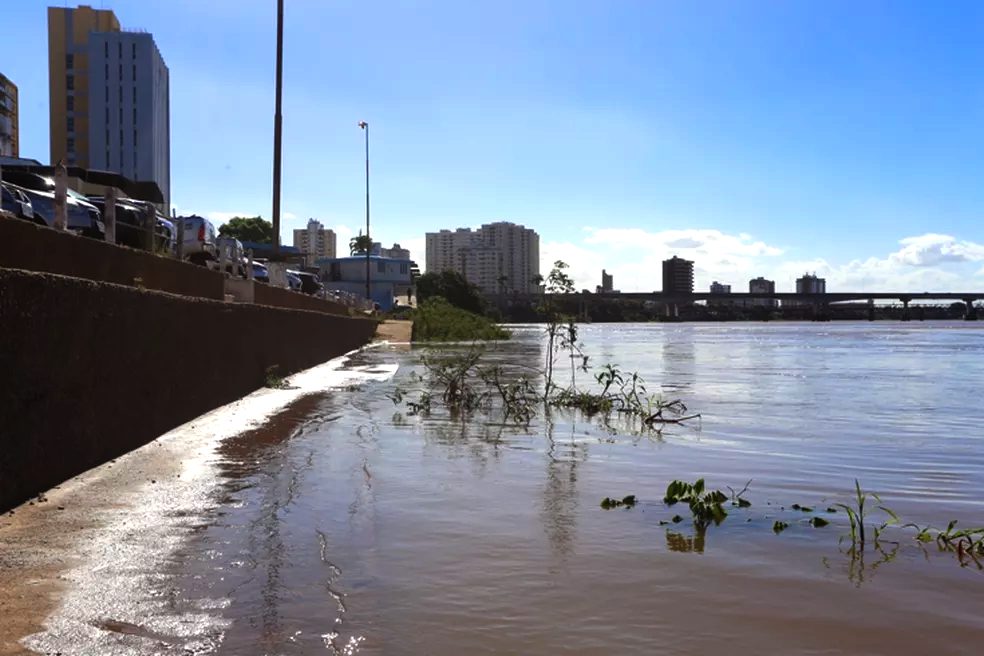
754	137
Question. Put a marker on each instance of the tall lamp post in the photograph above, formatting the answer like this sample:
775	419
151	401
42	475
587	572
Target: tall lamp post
368	241
277	130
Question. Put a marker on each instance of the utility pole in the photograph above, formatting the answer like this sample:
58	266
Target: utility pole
277	129
368	241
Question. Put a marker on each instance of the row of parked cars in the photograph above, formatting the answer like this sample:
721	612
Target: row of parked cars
31	197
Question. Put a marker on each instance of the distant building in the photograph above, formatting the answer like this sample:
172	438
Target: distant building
718	288
109	97
396	252
315	241
678	276
762	286
389	278
499	257
9	126
607	283
811	284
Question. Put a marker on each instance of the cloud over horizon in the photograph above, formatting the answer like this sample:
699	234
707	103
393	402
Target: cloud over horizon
927	262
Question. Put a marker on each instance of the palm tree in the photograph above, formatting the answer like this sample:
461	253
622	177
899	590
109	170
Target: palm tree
360	244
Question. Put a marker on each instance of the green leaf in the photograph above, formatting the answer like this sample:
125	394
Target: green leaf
778	527
699	486
818	522
629	500
744	503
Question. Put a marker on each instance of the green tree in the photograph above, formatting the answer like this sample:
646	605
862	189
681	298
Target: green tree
360	244
253	228
451	286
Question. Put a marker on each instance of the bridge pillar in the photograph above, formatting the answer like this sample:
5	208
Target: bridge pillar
871	309
971	314
905	308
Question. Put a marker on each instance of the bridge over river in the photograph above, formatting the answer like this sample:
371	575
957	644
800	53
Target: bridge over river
819	301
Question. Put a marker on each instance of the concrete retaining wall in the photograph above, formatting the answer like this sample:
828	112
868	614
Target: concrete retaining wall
284	298
24	245
93	370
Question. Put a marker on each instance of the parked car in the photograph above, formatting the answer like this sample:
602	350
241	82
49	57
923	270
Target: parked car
131	224
17	203
294	280
260	272
82	216
199	239
310	283
235	255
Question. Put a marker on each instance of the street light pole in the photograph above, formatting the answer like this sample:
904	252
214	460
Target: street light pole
277	129
368	241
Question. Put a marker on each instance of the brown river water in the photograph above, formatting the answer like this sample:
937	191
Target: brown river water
346	526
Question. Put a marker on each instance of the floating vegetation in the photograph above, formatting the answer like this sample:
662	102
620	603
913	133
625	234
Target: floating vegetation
818	522
705	505
625	502
736	497
778	527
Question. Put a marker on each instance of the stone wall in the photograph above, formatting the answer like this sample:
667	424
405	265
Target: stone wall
92	370
24	245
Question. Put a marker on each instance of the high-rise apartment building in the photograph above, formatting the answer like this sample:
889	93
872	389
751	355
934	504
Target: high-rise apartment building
498	257
109	95
607	283
315	241
762	286
397	252
811	284
678	276
720	288
9	127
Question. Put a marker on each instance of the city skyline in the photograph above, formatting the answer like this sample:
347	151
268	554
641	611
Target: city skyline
752	140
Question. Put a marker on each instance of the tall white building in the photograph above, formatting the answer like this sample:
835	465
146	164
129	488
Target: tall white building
315	241
129	116
498	257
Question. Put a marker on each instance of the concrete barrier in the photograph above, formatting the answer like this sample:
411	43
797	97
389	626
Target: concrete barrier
284	298
92	370
24	245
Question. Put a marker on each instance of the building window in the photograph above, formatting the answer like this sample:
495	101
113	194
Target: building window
70	103
134	95
106	49
70	122
70	144
107	70
107	94
70	82
134	115
69	61
121	72
134	72
121	116
120	48
404	268
134	49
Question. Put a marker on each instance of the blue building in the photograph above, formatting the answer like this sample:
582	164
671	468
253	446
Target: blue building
389	278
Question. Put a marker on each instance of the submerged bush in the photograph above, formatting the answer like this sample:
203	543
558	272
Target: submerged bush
436	320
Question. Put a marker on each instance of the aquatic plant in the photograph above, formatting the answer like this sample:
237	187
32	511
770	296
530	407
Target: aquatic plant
778	527
736	497
705	505
857	516
627	501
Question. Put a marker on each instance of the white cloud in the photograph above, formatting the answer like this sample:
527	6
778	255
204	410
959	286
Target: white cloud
929	262
931	249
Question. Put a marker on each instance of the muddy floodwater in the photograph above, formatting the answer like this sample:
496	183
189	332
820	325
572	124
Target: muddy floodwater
345	525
